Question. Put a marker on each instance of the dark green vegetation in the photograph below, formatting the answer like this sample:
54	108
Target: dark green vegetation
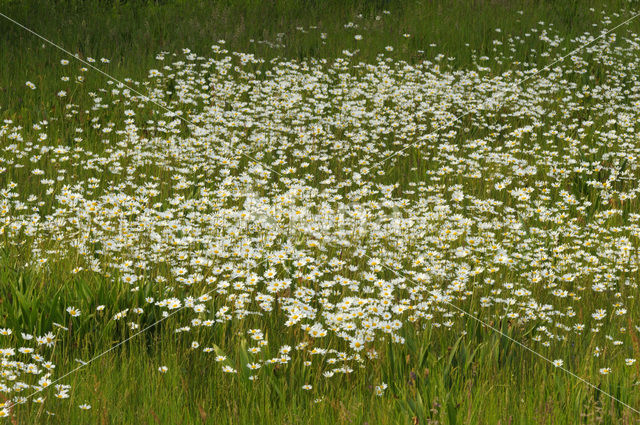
130	34
437	377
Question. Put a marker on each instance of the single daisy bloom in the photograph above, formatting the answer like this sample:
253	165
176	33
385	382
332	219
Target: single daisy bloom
228	369
73	311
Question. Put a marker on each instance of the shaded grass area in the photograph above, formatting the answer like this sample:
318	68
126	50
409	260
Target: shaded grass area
130	34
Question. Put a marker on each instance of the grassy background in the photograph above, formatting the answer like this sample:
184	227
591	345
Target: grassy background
436	377
131	33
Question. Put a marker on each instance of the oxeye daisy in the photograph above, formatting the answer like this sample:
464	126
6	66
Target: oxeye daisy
73	311
380	389
599	314
506	214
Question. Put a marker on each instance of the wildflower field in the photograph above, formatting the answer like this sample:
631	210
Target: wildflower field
319	212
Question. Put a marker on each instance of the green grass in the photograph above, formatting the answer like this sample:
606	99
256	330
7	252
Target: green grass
438	376
130	34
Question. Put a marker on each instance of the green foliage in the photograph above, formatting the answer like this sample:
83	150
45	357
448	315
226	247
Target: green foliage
456	376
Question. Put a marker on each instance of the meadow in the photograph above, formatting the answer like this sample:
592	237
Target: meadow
306	212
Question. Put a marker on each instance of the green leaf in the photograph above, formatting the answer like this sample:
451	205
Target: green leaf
452	411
